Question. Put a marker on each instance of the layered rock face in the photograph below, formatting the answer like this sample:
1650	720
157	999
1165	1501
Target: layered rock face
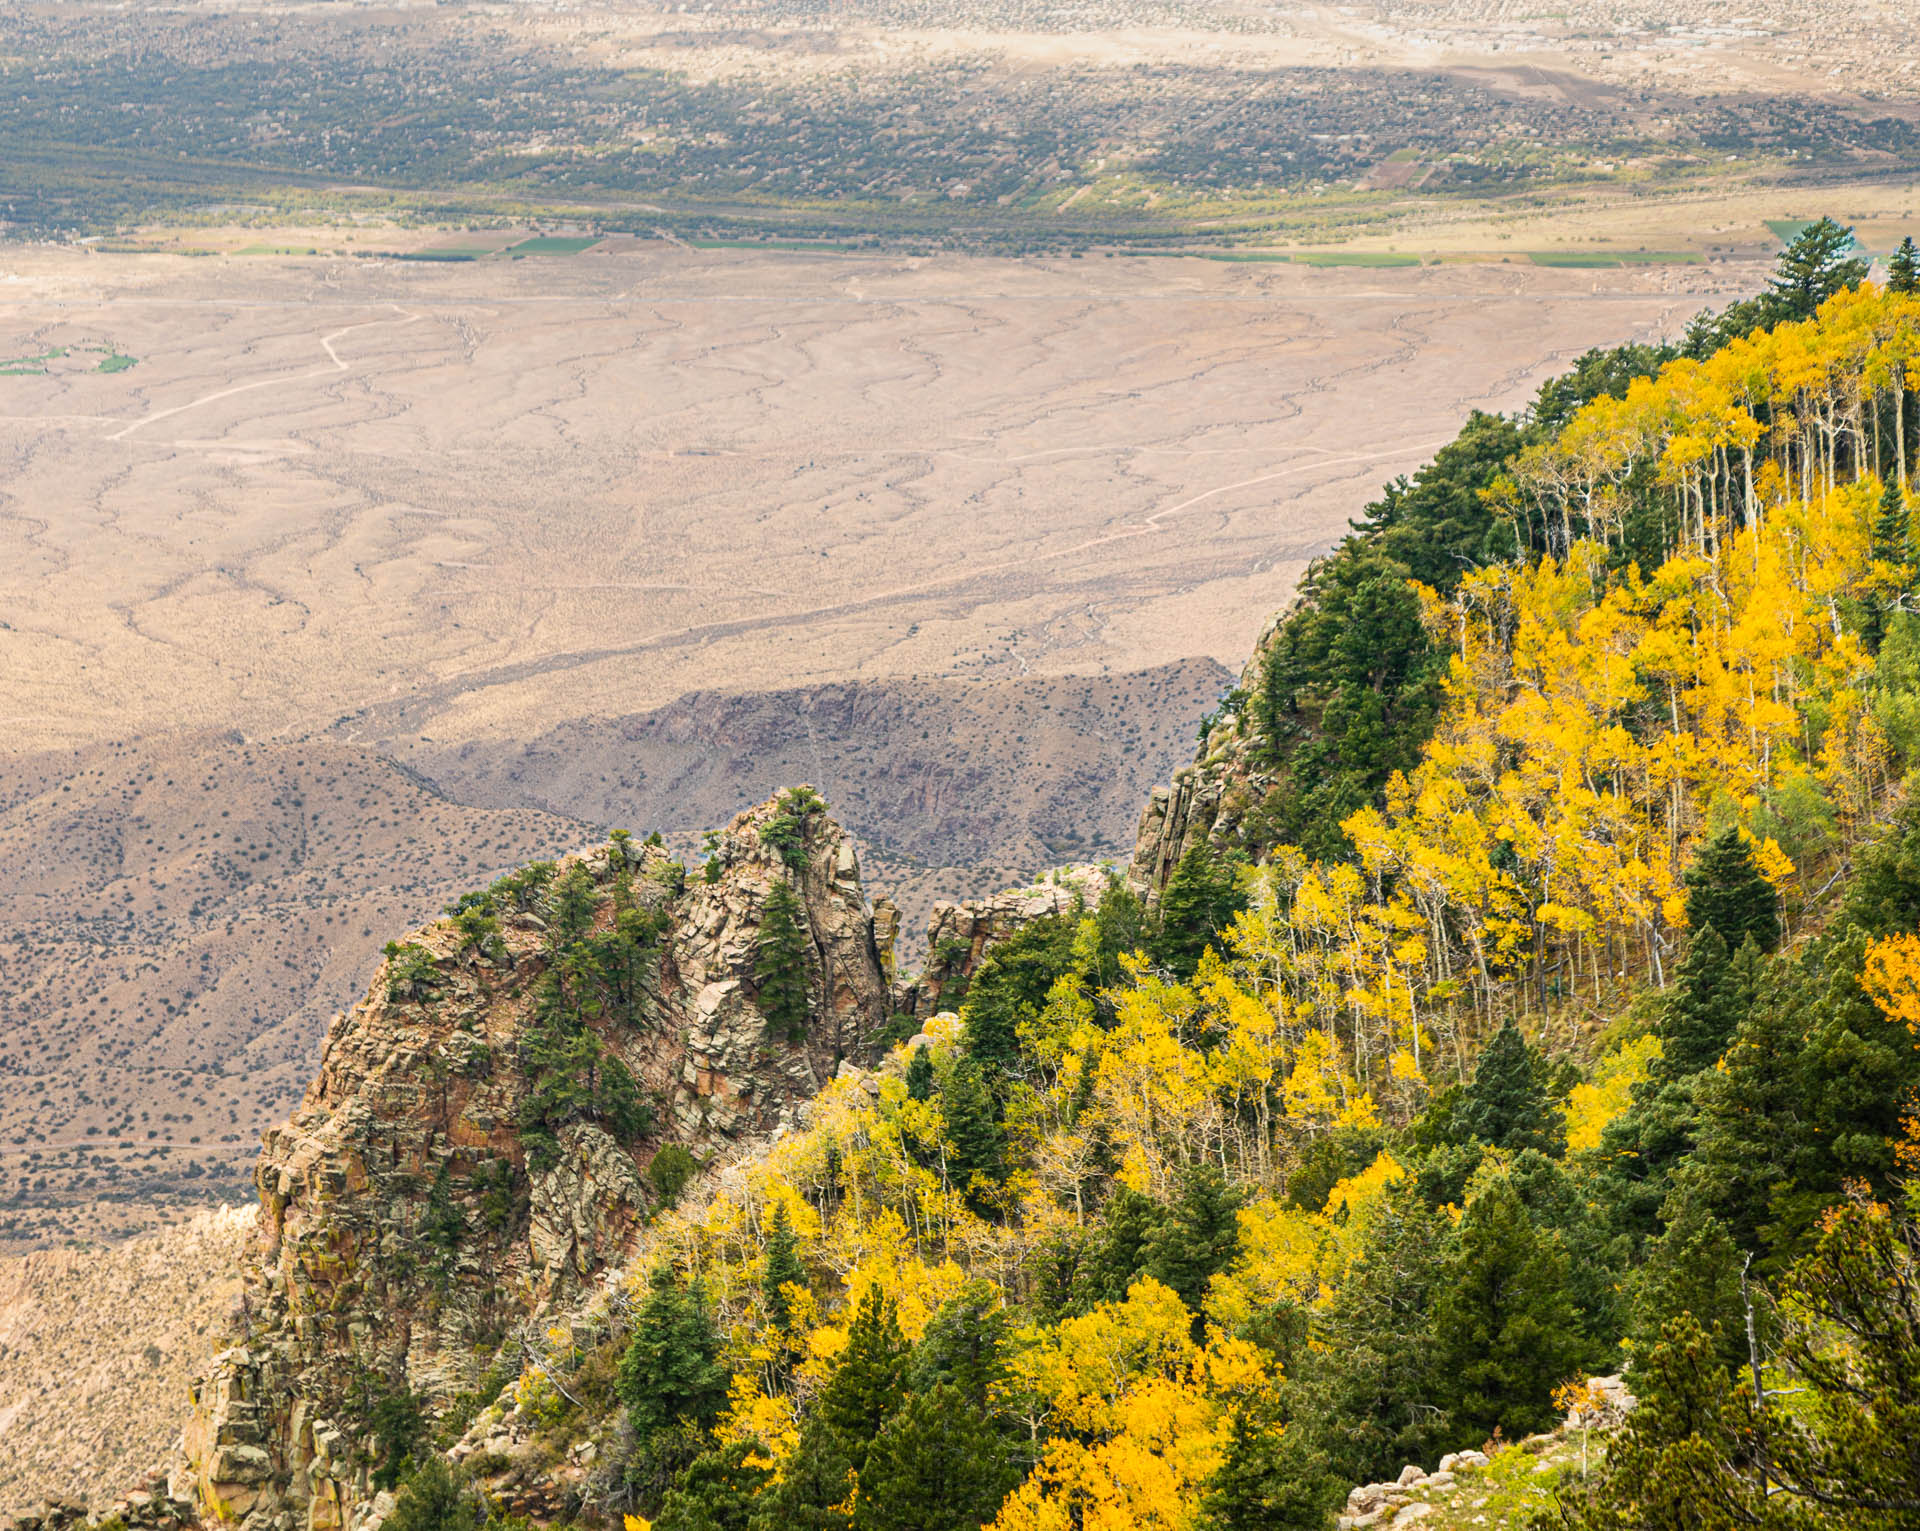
473	1153
1208	800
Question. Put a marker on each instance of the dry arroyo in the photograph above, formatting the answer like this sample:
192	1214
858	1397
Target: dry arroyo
97	1348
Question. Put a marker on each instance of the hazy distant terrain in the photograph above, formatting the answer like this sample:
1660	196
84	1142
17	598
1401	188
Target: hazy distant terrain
353	582
998	124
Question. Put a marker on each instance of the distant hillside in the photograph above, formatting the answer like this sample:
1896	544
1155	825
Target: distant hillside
181	918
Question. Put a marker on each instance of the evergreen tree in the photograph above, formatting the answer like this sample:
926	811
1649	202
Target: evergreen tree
816	1481
1640	1151
1750	1114
1816	264
920	1082
1121	928
1682	1460
437	1498
1726	890
937	1465
1123	1248
783	1268
1272	1476
1692	1268
1507	1105
1201	897
1371	1388
717	1490
671	1368
964	1346
1011	985
976	1145
870	1381
1891	544
1505	1333
1199	1238
1903	269
1702	1010
780	966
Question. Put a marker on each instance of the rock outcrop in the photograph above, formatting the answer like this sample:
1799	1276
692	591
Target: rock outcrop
474	1150
959	936
1210	799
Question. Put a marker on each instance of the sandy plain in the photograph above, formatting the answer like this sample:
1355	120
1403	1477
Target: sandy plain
460	500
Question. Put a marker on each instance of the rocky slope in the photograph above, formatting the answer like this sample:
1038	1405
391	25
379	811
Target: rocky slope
468	1158
1210	798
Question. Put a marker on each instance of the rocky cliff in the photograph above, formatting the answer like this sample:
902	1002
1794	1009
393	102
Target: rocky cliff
1211	799
478	1144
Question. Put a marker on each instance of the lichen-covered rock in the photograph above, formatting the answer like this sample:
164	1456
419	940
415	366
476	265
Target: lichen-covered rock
473	1151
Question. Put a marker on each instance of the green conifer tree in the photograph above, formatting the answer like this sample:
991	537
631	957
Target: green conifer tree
1817	263
920	1081
671	1368
1682	1461
964	1346
937	1465
1903	269
1272	1477
816	1481
1725	889
1702	1010
1123	1248
1505	1331
1199	1238
1507	1104
718	1489
780	966
975	1144
870	1382
437	1498
1691	1268
1010	985
783	1268
1201	897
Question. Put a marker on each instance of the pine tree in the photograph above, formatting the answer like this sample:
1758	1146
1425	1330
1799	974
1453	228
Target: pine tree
870	1382
976	1145
1818	263
1200	898
783	1268
718	1489
1124	1247
1682	1461
1272	1477
964	1346
1198	1240
1891	544
1011	985
670	1370
437	1498
1702	1010
1903	269
1506	1105
1120	924
780	966
1691	1268
816	1481
1726	890
920	1082
938	1465
1505	1332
